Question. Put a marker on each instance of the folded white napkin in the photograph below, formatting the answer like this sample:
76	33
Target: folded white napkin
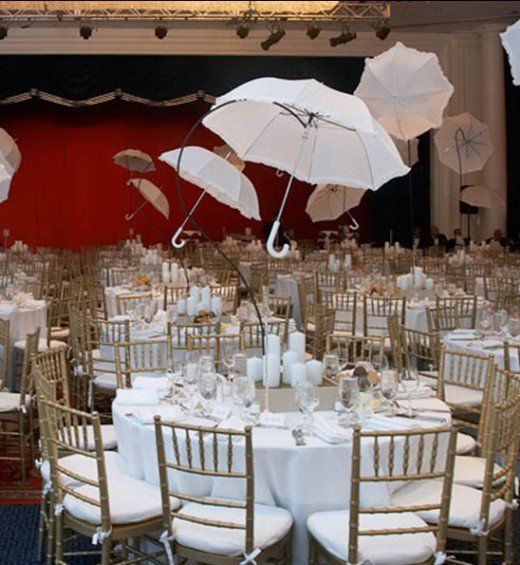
137	397
233	423
121	318
151	383
422	391
378	422
330	431
34	303
167	413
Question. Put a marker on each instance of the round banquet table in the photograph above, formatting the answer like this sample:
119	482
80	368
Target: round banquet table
303	479
465	341
22	321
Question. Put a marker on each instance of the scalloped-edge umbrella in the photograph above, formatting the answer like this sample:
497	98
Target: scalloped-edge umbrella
153	195
10	156
229	155
482	196
511	42
217	177
5	183
134	160
330	201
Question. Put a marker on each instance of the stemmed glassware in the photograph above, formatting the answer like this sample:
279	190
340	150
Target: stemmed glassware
331	366
307	400
244	394
348	397
388	387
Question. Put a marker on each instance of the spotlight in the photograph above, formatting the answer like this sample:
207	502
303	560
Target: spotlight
343	37
274	38
242	31
160	32
313	31
85	31
3	32
382	30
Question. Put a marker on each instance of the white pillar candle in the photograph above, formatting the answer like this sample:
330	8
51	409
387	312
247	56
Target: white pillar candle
216	305
181	307
387	246
289	359
297	344
174	275
348	262
272	346
314	371
205	297
255	369
165	273
428	285
332	262
298	374
272	376
195	293
191	305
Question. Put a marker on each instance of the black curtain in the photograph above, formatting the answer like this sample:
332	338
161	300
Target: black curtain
513	163
164	77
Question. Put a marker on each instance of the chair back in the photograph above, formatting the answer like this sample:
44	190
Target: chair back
125	302
147	357
51	368
221	347
377	309
172	295
348	348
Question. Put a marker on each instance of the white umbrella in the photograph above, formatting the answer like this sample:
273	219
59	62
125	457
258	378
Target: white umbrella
482	196
216	177
5	183
463	143
511	42
134	160
10	156
402	147
229	155
317	134
405	90
330	201
153	195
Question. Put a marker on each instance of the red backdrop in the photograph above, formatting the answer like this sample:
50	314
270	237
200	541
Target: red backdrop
69	193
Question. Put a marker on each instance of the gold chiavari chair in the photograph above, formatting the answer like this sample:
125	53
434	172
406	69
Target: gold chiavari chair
17	425
172	295
344	305
125	302
96	292
384	533
210	530
58	319
349	348
498	286
511	351
108	505
330	281
178	335
319	322
259	279
453	313
221	347
229	295
377	309
307	294
4	351
508	302
252	334
143	358
281	307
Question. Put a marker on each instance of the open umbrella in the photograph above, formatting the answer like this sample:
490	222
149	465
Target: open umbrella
216	177
228	154
405	90
330	201
5	183
134	160
511	42
482	196
315	133
463	143
10	156
152	195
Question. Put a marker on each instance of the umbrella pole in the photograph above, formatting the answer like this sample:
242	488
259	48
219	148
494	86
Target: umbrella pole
129	217
410	197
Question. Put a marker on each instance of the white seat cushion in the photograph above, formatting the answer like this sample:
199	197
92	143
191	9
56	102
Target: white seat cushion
331	530
470	471
42	345
60	333
10	401
465	444
84	466
461	395
271	525
464	507
429	378
130	500
106	381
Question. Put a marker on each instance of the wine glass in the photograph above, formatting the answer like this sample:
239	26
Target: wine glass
307	401
189	378
206	364
348	392
389	387
208	386
379	363
244	394
331	365
500	319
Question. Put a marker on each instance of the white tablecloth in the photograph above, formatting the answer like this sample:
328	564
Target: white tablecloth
302	480
22	321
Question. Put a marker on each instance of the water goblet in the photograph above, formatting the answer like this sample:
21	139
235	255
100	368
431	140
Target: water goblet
389	384
307	400
244	394
331	366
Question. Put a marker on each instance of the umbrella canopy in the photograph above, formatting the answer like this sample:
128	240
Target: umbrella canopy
405	90
10	156
463	143
342	144
229	155
330	201
217	177
5	183
402	147
511	42
153	195
482	196
134	160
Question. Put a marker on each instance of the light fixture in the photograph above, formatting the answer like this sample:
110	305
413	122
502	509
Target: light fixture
382	30
273	39
313	31
242	31
3	32
160	32
85	31
344	37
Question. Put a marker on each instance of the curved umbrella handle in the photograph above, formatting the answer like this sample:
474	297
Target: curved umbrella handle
270	243
178	244
354	225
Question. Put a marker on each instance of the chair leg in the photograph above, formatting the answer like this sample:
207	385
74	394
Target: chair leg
44	504
55	534
508	538
482	550
106	550
312	551
21	438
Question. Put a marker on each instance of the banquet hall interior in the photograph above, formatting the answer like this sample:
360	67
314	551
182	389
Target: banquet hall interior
259	282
